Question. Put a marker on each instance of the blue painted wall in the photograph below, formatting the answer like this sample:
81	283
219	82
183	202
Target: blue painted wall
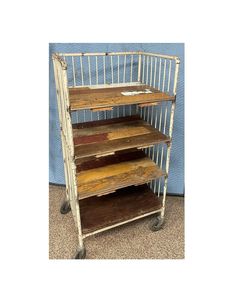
176	174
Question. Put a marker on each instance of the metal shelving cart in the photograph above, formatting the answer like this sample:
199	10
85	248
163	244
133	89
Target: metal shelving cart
116	113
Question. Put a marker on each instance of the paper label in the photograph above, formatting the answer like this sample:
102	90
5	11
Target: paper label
127	93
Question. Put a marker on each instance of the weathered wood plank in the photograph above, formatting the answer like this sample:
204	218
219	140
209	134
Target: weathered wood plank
103	138
106	122
119	144
81	98
108	178
123	205
92	162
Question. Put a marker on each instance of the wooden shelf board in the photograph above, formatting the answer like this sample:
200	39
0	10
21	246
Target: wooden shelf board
114	172
100	212
107	136
87	98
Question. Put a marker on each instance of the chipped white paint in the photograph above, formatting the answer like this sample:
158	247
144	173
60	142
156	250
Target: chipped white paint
159	75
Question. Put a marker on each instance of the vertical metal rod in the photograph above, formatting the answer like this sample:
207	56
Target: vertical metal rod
151	72
141	112
81	68
176	76
143	69
155	70
159	128
130	110
73	69
159	77
156	146
124	69
164	76
96	70
147	70
168	85
111	70
151	115
90	82
162	150
123	110
104	69
131	69
84	115
118	69
168	158
139	67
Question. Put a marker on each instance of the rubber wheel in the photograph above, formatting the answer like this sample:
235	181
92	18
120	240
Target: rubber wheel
81	254
65	208
157	224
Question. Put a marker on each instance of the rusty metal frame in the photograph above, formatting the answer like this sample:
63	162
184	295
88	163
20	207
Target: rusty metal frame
150	72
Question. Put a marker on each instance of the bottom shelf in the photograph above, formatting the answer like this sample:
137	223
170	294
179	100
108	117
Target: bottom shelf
98	213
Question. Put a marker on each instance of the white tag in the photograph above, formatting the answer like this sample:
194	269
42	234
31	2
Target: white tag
127	93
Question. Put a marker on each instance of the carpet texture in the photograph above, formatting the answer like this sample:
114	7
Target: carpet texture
131	241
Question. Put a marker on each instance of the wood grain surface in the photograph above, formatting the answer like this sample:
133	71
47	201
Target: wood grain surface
106	179
85	98
112	135
100	212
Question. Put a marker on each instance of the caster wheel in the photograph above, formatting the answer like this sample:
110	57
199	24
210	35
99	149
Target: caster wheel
81	254
157	223
65	208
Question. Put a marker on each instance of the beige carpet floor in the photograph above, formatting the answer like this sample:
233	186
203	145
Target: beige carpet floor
131	241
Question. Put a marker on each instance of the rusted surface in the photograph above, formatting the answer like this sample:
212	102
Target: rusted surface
124	204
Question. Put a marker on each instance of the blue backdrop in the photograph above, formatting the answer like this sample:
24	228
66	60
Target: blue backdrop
176	174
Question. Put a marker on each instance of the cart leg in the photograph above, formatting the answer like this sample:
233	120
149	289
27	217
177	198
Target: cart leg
65	207
81	251
159	220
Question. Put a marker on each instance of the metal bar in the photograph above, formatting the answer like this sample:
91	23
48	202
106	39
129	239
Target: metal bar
168	85
139	67
73	69
164	76
119	53
147	69
151	114
121	223
96	58
151	72
104	68
111	70
68	148
118	69
131	68
124	69
159	78
82	73
143	69
155	70
90	82
176	76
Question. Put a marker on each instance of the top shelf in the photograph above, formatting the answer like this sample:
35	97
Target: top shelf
98	98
